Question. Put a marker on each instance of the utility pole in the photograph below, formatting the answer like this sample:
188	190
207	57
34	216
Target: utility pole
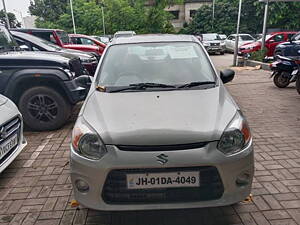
265	26
6	16
213	14
73	19
103	19
236	49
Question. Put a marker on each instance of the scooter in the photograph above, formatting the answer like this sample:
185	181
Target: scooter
285	71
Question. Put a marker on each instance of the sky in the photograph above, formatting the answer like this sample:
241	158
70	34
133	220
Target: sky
18	5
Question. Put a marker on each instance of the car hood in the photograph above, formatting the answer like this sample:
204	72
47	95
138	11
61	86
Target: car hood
78	53
160	118
3	100
212	41
251	44
28	58
90	47
288	43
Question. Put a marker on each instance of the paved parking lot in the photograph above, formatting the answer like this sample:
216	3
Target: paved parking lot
36	188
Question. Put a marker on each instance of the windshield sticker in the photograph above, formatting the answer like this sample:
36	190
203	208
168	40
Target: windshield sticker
182	52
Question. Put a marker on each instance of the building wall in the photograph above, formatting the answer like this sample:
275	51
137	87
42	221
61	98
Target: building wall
185	11
29	22
177	23
193	6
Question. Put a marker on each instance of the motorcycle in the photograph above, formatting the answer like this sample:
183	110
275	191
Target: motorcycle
285	71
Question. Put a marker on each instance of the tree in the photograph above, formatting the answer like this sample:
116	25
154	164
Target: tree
283	15
13	22
119	15
48	10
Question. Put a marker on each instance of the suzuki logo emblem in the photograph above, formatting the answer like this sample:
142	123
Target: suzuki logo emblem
162	159
3	133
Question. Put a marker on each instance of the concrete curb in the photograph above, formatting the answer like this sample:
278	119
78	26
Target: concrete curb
263	66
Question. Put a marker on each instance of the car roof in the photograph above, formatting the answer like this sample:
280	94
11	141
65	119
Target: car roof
283	32
150	38
35	29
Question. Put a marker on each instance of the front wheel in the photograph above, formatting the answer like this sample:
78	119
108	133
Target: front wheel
280	80
298	84
44	108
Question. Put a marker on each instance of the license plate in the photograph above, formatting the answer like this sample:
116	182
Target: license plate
294	72
163	180
8	145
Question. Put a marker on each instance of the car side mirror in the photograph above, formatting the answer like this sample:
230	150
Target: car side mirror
227	75
24	47
84	81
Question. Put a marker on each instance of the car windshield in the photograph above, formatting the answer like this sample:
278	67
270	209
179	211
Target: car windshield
246	38
173	63
211	37
64	37
268	36
6	41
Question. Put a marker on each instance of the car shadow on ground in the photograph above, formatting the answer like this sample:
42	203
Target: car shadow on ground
203	216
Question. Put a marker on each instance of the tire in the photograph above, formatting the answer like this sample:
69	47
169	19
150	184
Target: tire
281	81
34	105
298	84
222	53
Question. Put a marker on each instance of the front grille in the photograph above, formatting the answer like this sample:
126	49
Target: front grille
215	44
115	189
7	130
142	148
76	67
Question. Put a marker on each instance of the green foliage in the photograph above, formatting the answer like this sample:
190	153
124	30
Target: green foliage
13	22
119	15
283	15
258	55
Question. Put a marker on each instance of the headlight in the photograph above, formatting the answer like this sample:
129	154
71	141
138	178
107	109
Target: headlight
236	135
70	73
89	60
205	44
222	43
86	142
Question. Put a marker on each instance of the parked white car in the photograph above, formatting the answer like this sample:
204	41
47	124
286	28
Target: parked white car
243	39
159	130
12	140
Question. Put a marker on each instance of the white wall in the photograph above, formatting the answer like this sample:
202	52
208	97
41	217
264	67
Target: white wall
29	22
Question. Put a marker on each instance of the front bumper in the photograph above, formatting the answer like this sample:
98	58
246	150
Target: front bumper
95	173
74	91
213	49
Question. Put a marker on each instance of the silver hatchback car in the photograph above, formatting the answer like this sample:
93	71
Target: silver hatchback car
159	130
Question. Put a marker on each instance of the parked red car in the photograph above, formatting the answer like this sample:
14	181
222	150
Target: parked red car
81	39
62	39
272	40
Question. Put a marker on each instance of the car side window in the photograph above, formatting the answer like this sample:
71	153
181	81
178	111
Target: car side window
86	41
278	38
19	41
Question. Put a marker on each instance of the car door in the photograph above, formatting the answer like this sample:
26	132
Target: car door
273	42
229	42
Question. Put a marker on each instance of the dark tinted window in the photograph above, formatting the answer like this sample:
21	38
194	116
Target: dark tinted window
193	13
278	37
175	14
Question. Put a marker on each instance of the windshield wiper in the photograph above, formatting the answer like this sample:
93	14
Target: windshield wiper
152	85
195	84
141	86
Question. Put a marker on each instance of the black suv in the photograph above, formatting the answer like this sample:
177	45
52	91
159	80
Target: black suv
45	85
291	48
